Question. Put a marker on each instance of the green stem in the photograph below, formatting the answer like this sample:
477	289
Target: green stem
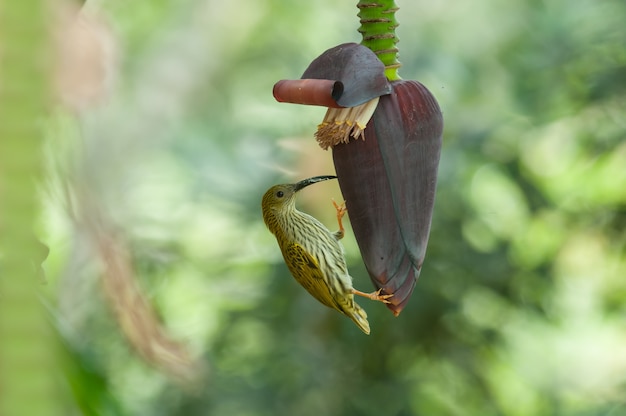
28	378
378	28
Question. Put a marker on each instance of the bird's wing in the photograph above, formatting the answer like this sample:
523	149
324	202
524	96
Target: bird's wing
307	272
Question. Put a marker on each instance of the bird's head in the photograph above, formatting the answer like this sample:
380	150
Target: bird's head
280	197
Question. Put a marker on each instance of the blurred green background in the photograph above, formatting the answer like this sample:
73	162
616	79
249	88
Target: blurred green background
521	304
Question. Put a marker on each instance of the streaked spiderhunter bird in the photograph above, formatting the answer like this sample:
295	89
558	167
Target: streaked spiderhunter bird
312	253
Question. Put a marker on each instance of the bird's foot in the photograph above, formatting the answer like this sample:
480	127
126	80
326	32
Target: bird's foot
341	211
374	295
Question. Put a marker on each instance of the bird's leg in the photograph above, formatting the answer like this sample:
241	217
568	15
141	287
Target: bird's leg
373	296
341	210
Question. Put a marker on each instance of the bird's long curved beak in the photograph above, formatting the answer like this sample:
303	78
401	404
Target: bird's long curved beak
306	182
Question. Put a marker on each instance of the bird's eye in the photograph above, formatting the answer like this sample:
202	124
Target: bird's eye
280	194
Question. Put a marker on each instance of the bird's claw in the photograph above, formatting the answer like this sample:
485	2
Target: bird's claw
374	295
341	209
381	298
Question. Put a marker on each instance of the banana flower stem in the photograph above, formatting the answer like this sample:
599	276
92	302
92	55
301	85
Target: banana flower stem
378	28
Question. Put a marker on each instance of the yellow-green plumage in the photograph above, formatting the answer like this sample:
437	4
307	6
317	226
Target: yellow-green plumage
312	253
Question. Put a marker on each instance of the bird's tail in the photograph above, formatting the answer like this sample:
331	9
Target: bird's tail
358	315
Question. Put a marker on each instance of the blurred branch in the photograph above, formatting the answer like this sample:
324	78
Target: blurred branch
87	52
134	313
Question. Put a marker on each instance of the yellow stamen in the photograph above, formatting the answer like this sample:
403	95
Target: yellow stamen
340	124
